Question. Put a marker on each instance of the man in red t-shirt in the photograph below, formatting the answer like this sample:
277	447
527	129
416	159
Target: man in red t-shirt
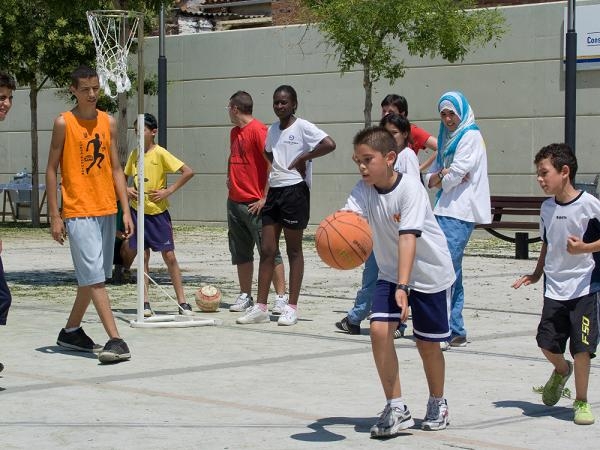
397	104
247	182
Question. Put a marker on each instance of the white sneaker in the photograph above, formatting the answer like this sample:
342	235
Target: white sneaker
289	316
445	345
254	315
280	303
242	303
437	417
391	422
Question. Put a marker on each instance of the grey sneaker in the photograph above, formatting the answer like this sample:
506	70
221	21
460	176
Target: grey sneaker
115	350
242	303
254	315
77	340
437	417
280	303
555	385
391	422
185	309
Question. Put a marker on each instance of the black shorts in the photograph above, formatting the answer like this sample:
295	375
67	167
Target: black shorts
575	320
288	206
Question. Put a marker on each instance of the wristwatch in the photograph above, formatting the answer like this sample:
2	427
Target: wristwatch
403	287
440	175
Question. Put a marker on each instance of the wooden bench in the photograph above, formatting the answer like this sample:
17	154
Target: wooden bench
515	206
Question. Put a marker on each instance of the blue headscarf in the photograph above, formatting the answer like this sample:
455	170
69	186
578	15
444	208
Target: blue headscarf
447	140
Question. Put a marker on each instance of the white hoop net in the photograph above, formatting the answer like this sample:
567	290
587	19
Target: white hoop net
113	33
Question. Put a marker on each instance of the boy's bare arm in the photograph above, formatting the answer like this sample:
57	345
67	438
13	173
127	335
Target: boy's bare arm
576	246
119	178
257	206
186	174
534	277
407	247
57	228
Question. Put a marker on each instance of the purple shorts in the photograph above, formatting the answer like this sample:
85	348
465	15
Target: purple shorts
158	232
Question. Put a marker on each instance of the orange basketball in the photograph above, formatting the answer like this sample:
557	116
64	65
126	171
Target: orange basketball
344	240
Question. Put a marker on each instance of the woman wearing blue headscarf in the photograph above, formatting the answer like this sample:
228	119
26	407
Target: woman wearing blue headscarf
463	198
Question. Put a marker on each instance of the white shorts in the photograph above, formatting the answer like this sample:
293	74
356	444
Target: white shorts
92	241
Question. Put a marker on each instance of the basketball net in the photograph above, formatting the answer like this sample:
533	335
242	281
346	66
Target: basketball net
113	33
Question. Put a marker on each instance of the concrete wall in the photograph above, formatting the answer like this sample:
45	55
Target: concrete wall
516	90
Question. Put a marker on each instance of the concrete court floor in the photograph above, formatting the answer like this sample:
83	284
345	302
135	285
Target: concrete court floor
263	386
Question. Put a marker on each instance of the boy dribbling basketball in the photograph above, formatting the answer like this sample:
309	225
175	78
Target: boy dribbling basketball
415	272
570	230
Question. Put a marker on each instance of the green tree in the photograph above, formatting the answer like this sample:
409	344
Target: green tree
366	33
42	41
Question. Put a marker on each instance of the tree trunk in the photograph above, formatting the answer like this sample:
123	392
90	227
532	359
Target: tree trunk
35	191
122	128
368	86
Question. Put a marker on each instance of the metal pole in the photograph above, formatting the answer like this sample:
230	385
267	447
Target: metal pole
570	76
140	174
162	83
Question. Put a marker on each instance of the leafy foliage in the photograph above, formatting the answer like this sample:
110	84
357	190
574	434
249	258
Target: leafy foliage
42	40
367	33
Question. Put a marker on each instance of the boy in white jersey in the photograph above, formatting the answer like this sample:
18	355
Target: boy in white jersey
415	268
569	261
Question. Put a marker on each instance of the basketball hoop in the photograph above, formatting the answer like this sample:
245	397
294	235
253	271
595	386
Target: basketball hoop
113	32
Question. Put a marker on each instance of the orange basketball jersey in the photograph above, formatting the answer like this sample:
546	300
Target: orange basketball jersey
87	179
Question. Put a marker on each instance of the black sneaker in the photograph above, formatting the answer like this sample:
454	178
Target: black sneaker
185	309
148	310
1	367
115	350
399	332
348	327
458	341
77	340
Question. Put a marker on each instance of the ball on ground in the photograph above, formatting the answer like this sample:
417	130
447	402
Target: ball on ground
344	240
208	298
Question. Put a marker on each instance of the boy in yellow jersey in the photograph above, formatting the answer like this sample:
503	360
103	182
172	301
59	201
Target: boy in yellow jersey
84	148
158	229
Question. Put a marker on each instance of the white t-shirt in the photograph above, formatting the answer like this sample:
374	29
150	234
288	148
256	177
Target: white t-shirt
407	162
405	209
286	145
570	276
466	194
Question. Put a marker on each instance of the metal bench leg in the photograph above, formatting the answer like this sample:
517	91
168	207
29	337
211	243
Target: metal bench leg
521	245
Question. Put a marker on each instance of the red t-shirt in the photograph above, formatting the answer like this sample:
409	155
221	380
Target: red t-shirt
419	137
247	164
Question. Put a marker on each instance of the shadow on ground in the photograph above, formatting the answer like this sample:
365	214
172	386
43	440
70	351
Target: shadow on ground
538	410
320	433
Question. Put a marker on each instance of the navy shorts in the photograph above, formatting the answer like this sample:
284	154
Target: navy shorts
430	312
5	297
288	206
158	232
574	320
